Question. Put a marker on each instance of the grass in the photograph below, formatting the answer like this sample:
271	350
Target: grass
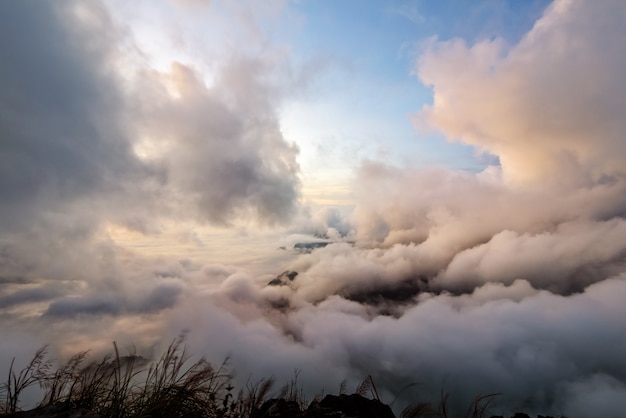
130	386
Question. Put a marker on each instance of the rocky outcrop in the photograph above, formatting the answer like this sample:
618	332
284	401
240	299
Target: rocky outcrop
55	411
331	406
397	292
522	415
283	279
342	406
278	408
348	406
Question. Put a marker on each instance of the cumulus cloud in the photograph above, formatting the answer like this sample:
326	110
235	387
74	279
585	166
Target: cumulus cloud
549	106
78	134
551	213
221	147
535	347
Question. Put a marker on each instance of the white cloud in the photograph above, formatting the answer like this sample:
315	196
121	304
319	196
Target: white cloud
547	106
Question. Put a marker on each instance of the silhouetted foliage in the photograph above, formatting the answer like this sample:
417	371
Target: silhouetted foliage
175	386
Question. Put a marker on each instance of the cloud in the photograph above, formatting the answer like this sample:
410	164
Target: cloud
548	106
93	139
563	261
160	297
78	131
220	147
73	306
598	392
36	294
62	115
532	346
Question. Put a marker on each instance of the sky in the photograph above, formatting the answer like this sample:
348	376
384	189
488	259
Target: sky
458	167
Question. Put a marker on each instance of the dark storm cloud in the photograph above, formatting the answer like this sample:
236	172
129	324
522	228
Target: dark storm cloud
222	146
72	306
158	298
70	126
22	296
60	118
